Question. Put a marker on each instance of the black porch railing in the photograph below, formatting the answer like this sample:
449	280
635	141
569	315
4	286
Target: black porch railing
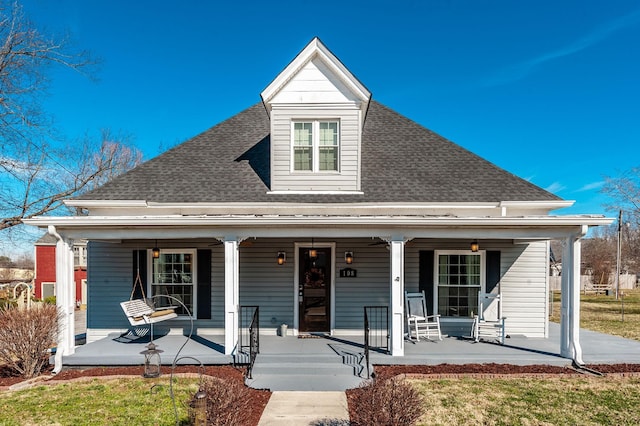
249	335
376	331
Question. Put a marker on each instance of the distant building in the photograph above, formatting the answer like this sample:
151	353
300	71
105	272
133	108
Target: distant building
45	269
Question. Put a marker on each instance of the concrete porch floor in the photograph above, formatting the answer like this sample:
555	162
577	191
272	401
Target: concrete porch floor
597	348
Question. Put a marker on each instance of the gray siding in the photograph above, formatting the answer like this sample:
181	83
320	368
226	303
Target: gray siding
111	276
270	286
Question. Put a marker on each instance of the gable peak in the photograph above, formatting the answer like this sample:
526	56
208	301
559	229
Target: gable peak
315	50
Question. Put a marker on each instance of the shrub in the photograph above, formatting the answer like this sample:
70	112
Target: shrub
227	402
25	337
50	300
390	402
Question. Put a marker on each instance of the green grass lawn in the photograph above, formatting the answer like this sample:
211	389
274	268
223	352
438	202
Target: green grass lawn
599	312
133	401
467	401
520	401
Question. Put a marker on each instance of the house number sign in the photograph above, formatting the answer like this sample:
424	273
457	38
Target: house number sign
348	273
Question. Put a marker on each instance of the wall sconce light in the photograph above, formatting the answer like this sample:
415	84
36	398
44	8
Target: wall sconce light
282	258
474	246
313	253
155	252
348	257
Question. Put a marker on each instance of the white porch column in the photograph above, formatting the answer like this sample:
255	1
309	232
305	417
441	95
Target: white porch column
231	294
396	299
65	298
570	300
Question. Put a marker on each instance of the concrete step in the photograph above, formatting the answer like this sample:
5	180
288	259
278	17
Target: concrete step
307	372
294	382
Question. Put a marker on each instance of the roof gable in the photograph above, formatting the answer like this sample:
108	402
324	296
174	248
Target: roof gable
317	62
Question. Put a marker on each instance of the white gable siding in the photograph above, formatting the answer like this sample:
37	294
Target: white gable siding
283	178
314	83
315	93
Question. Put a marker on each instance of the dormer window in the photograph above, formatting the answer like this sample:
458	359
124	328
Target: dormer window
316	146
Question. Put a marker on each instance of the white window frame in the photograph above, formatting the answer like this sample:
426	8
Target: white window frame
80	255
315	145
194	276
436	281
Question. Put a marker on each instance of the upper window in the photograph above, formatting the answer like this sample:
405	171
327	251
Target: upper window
459	280
79	255
173	274
316	146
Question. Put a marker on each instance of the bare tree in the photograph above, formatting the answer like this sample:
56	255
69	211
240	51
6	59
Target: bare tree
37	169
624	192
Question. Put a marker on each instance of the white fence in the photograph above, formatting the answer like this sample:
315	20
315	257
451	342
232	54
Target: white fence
627	281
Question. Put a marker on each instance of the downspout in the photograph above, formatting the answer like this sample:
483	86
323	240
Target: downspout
59	302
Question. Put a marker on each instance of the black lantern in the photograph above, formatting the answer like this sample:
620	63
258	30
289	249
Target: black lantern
348	257
152	361
313	253
282	258
475	246
155	251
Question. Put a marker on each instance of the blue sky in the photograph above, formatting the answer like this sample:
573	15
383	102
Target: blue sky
549	90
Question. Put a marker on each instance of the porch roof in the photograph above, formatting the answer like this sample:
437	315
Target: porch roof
385	226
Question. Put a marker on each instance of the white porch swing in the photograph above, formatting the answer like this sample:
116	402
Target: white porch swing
140	312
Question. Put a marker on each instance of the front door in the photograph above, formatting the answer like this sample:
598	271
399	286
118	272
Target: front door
314	289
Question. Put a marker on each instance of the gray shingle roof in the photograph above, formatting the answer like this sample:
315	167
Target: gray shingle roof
402	162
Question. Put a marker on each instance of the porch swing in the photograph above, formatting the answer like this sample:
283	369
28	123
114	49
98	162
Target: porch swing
140	312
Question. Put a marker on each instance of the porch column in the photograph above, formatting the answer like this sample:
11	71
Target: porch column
396	299
65	298
570	300
231	294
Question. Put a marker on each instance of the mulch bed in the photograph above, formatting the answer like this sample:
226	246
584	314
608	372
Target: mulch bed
261	397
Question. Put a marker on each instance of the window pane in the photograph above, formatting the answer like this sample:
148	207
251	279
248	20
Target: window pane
302	134
329	133
302	159
328	158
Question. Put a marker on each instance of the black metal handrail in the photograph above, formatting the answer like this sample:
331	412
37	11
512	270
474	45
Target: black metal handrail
376	331
249	334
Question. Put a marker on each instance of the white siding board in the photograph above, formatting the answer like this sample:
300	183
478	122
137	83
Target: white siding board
282	176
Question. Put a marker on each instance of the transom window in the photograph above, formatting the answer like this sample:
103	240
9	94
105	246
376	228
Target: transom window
459	279
315	146
174	274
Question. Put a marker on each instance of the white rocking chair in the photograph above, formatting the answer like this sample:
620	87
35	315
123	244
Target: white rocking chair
419	324
489	323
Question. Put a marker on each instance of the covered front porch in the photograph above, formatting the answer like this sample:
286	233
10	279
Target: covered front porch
389	253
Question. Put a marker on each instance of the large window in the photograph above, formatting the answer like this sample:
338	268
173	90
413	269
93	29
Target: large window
316	146
459	279
174	274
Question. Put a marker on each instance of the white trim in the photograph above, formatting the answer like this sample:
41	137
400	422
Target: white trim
206	220
296	192
296	283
